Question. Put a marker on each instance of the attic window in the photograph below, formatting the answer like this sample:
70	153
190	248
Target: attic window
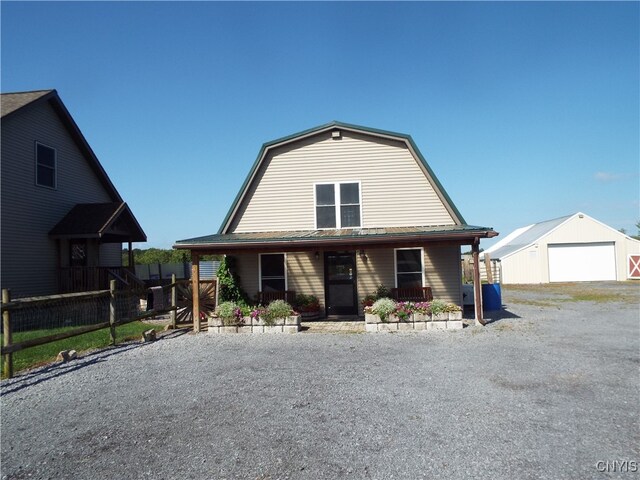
45	166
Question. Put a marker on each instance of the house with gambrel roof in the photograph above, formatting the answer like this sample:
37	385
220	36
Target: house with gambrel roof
63	222
337	210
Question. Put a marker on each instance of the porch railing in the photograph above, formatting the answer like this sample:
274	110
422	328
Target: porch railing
85	279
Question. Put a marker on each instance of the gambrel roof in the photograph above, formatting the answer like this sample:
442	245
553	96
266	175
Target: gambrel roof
401	137
229	240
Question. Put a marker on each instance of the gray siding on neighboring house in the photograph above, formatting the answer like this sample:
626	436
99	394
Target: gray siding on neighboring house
29	258
394	188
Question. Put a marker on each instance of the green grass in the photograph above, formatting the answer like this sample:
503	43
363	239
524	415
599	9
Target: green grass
43	354
558	293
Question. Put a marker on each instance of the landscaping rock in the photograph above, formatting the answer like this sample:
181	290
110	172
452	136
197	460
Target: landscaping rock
149	336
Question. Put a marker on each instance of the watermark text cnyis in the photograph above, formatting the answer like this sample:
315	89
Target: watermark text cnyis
617	466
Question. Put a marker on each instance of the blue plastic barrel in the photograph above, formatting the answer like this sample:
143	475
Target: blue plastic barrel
491	297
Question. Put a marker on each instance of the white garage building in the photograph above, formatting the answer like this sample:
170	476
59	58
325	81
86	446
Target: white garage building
568	249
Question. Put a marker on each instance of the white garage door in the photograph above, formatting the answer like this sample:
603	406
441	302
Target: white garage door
575	262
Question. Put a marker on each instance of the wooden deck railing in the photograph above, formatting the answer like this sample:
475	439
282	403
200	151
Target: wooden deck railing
86	279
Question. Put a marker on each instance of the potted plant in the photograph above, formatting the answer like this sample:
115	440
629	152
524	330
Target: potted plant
308	306
227	317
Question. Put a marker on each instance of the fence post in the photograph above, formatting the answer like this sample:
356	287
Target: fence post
7	366
112	311
174	301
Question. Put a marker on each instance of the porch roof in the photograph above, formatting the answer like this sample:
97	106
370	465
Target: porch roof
110	222
352	237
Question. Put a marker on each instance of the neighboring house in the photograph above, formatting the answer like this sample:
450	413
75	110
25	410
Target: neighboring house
63	222
568	249
337	210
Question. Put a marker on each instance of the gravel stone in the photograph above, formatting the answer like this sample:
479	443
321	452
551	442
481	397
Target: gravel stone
542	392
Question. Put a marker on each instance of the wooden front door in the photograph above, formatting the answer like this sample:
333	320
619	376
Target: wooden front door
341	296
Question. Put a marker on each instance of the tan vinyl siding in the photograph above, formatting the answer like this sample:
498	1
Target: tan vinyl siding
531	264
378	269
305	274
395	190
247	270
442	272
29	257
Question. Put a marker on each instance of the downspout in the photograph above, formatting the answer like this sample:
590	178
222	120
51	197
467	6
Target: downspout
477	287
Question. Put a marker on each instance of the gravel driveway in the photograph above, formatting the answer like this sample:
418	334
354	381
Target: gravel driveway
547	391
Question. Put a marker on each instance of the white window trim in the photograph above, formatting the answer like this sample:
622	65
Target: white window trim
337	200
55	166
286	279
395	264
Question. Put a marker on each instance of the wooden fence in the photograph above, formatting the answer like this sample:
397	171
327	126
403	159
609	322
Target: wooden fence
73	300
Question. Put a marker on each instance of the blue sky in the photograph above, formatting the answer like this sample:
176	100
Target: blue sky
525	111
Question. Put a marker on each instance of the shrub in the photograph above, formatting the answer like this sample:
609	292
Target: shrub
452	307
230	313
438	307
229	289
422	307
383	307
276	309
307	303
404	310
382	292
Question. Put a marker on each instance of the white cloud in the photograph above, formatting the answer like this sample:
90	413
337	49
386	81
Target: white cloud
607	176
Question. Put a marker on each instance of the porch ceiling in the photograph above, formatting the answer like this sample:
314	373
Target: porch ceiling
329	239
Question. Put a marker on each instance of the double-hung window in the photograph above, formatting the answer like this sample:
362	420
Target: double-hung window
338	205
409	267
272	272
45	166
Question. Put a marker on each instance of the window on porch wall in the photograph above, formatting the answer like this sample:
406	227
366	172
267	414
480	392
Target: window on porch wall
272	272
409	268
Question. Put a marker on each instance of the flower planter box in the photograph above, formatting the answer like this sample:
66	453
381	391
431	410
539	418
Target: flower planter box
388	327
454	325
440	317
419	326
405	326
307	316
421	317
437	325
255	325
455	315
393	319
371	318
214	322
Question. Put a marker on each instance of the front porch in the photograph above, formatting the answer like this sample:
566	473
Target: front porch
342	267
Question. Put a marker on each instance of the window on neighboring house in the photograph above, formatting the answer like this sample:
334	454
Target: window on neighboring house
45	166
338	205
409	267
272	272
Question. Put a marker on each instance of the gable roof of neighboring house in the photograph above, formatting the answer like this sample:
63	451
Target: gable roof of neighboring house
524	237
406	139
100	220
12	104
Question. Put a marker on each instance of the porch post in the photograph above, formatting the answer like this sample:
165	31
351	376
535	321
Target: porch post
195	286
477	286
131	265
